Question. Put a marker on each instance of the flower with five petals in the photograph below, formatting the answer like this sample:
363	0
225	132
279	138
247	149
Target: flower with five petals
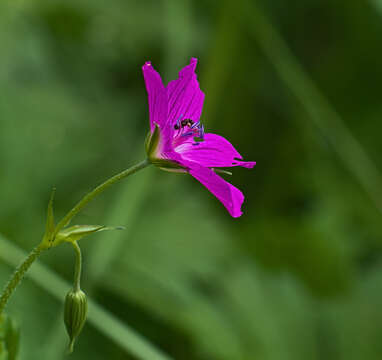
177	141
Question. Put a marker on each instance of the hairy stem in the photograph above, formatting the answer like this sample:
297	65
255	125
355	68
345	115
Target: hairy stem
23	268
98	190
18	276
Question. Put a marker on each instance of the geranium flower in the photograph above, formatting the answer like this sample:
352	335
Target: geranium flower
177	141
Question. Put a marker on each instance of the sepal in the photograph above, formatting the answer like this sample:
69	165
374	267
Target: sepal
77	232
168	165
152	142
49	235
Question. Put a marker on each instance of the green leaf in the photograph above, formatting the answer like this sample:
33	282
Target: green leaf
9	338
12	339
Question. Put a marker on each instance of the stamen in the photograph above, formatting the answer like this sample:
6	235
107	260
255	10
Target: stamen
177	125
188	133
201	131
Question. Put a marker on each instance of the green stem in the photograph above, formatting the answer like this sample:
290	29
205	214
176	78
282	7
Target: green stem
77	268
23	268
18	276
98	190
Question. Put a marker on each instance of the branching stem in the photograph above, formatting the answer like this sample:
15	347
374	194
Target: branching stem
34	254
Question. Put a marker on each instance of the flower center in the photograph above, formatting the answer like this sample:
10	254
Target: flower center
187	128
184	123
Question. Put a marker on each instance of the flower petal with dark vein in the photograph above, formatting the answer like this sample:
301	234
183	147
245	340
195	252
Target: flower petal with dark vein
177	141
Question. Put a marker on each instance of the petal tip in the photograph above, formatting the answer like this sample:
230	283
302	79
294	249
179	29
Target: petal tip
238	200
251	164
192	64
146	65
237	214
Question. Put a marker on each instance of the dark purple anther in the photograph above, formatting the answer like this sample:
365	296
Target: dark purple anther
201	131
188	133
177	125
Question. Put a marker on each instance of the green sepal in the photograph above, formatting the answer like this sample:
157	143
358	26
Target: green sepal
152	142
49	235
151	146
77	232
221	171
9	338
169	165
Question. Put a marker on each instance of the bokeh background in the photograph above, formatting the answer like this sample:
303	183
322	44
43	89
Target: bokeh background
295	85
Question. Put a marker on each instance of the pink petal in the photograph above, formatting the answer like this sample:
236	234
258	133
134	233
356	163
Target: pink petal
230	196
185	99
157	96
214	151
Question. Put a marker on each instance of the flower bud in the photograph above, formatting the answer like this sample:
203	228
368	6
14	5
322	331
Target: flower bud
9	338
75	312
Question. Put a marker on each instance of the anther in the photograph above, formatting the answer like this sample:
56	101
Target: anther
185	122
201	131
188	133
177	125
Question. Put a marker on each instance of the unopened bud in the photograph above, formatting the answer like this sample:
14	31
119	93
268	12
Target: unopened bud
75	312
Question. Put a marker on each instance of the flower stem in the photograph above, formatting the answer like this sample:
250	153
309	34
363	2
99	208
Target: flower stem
98	190
77	268
18	276
23	268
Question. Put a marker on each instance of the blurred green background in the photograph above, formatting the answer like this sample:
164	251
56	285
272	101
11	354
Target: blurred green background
293	85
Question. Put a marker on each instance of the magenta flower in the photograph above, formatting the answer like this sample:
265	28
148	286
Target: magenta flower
177	141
